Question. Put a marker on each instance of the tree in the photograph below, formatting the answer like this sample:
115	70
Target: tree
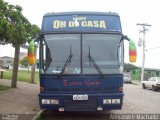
24	61
5	27
34	31
16	30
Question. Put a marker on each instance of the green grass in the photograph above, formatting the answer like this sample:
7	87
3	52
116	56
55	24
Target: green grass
2	88
24	76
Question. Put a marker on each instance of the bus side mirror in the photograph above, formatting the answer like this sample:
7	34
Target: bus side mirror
132	51
32	53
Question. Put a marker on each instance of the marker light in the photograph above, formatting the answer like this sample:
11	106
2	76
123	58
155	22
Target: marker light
41	89
120	89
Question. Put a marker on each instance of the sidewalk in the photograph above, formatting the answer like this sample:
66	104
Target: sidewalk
20	100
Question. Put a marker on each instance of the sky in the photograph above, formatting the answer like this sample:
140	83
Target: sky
131	13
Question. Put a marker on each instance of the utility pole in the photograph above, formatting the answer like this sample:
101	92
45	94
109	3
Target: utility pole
144	30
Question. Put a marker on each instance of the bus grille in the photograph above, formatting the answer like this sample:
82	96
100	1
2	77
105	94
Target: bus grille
80	105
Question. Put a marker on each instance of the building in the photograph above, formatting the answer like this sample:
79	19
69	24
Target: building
135	72
148	72
6	60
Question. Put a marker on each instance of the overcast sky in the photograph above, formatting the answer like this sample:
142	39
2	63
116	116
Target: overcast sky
131	13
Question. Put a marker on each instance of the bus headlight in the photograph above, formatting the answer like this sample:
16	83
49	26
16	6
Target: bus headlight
54	101
115	101
107	101
111	101
45	101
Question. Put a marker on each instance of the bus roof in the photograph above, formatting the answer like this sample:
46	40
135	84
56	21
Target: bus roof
81	13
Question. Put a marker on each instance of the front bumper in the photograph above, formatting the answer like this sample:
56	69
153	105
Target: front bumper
94	102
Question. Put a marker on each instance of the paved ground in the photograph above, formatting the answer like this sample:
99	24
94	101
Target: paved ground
20	100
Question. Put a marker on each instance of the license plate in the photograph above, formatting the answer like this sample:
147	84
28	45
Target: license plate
80	97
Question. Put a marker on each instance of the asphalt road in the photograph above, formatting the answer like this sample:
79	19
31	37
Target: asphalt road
136	101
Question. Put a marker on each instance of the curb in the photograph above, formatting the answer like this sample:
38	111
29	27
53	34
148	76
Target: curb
37	115
136	83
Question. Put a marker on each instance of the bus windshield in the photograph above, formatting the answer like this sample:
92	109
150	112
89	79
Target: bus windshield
72	53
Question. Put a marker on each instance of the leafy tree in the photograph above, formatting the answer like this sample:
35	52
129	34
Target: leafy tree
34	31
5	27
24	61
16	30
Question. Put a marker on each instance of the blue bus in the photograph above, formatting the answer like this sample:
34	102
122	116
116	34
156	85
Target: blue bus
81	58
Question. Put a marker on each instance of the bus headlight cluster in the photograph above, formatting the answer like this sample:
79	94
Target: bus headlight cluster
107	101
50	101
111	101
115	101
54	101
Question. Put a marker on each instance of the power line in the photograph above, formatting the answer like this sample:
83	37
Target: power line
152	48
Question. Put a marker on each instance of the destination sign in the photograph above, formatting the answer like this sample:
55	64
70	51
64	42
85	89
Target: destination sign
81	23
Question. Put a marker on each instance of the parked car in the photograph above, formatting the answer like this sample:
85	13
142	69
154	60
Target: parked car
5	66
127	78
152	83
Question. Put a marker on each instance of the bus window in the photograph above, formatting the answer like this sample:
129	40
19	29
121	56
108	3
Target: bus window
103	49
60	47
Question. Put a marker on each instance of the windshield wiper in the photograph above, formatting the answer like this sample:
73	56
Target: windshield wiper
68	61
91	60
